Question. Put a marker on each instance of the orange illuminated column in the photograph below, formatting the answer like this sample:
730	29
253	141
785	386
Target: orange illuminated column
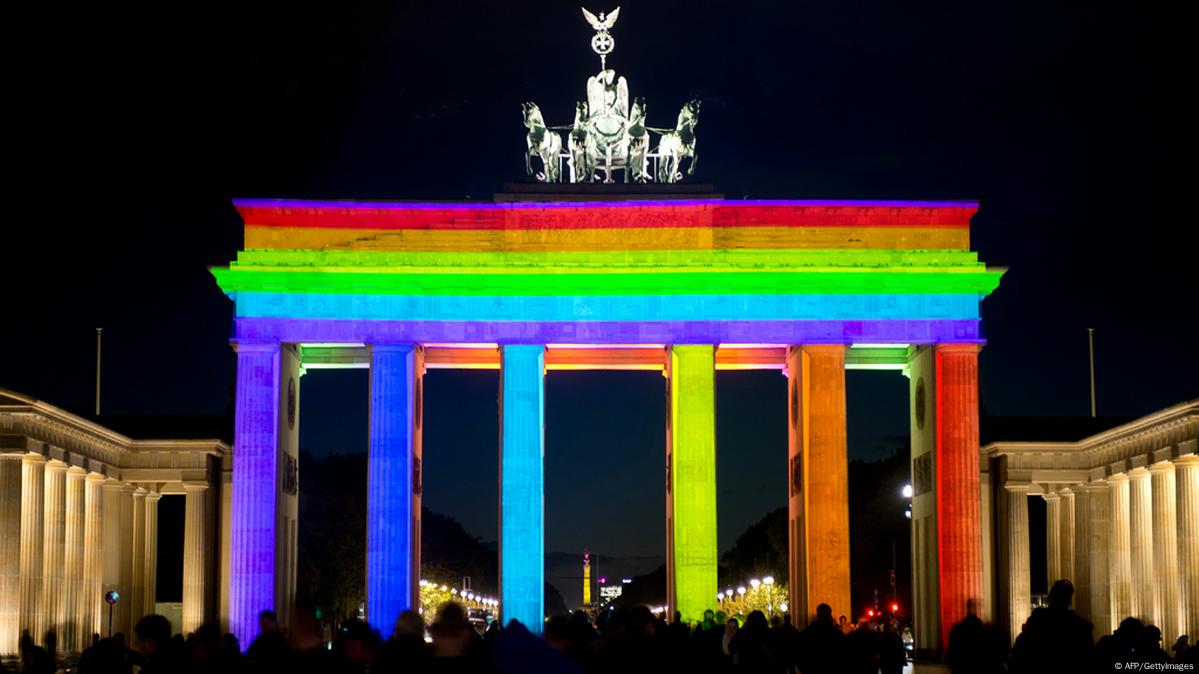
946	535
818	479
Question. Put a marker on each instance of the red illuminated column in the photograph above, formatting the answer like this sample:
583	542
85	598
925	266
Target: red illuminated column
957	482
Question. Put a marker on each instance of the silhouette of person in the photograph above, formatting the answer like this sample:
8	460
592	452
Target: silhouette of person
822	644
162	654
861	649
1054	638
750	647
268	651
973	647
1151	646
891	654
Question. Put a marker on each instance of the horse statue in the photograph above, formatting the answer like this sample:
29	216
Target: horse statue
678	144
542	142
638	143
581	144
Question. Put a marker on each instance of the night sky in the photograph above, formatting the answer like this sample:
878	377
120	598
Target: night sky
139	125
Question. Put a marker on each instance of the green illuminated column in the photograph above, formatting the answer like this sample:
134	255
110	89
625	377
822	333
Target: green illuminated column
691	481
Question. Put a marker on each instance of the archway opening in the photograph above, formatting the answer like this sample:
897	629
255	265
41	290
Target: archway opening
878	422
605	472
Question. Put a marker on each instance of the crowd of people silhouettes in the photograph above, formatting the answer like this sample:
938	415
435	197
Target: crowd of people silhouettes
624	641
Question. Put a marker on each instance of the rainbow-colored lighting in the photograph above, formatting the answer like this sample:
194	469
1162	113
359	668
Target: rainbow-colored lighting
522	485
692	374
688	274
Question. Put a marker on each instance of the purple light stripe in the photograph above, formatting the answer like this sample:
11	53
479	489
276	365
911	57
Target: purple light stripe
650	332
719	203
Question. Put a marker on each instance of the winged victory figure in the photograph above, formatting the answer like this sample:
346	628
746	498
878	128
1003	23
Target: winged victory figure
601	23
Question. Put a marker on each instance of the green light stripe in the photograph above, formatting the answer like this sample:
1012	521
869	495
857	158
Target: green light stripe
781	258
980	282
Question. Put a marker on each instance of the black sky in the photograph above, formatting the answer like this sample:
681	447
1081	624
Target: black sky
141	122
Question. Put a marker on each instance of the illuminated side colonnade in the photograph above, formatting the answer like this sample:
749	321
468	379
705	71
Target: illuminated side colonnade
1122	522
685	287
79	518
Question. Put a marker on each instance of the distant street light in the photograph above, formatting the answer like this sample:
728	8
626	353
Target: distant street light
907	491
769	580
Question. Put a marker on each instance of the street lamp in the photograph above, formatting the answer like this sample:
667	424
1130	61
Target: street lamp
769	580
111	597
907	491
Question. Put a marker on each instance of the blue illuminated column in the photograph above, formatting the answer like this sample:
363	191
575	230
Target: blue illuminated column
252	540
393	483
522	501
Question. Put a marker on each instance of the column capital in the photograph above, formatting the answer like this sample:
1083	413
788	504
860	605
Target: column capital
1067	491
822	348
77	471
194	486
1117	477
96	477
1162	467
33	458
402	347
1017	487
152	496
1140	472
56	466
256	345
1187	460
140	492
1051	496
959	348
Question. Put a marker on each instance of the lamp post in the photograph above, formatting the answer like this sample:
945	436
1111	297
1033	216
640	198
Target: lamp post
111	597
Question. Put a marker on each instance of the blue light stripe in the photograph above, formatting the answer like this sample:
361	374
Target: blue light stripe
638	308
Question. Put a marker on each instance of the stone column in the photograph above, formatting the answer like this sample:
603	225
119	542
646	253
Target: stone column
1066	536
53	539
1053	533
819	544
33	503
1080	518
93	557
1120	549
1097	548
1186	479
112	555
522	485
691	475
1167	586
959	544
71	636
137	604
252	536
150	556
1020	588
392	488
1140	523
124	608
195	556
10	551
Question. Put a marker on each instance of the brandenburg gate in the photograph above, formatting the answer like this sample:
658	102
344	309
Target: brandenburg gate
686	286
